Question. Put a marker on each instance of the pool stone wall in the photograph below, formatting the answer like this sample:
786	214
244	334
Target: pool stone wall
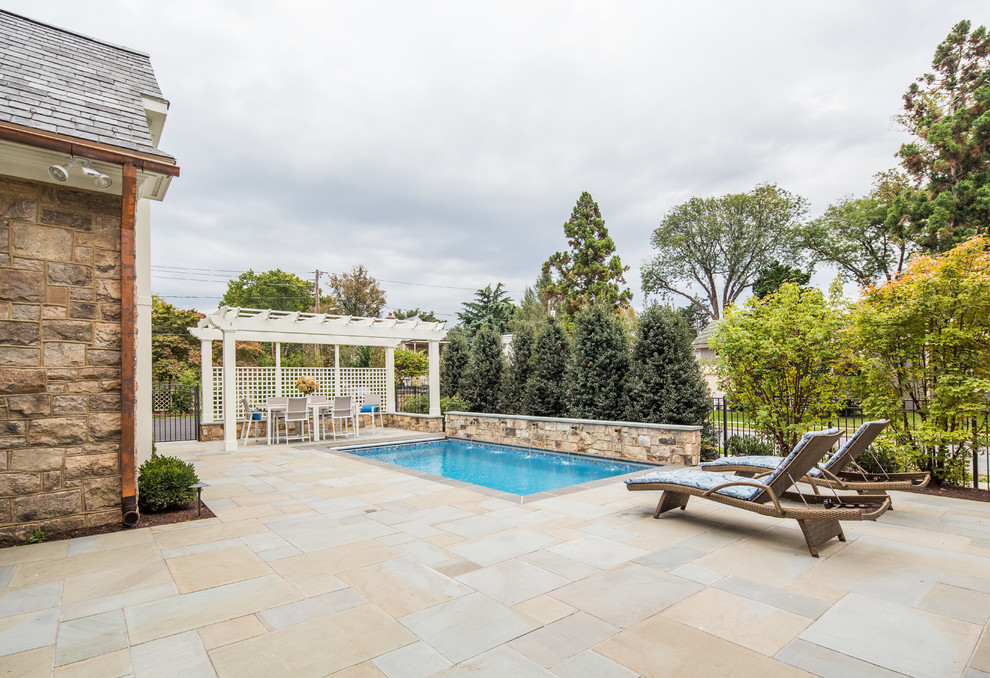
617	439
423	423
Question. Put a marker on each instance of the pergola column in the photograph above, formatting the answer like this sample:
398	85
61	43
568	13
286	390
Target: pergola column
206	380
336	370
390	379
229	394
278	370
434	359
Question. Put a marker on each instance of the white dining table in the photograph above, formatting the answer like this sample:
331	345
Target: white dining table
315	417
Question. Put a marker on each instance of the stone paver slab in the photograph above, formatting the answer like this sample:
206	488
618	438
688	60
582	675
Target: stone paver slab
89	637
821	661
28	631
216	568
231	631
418	660
513	582
30	599
895	636
161	618
403	585
467	626
961	603
311	608
590	663
663	648
745	622
315	648
597	551
498	663
563	639
626	595
179	655
29	663
502	547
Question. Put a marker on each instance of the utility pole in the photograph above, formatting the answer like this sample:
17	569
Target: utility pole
316	293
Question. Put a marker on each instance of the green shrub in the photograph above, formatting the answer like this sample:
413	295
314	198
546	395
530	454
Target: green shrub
163	484
37	537
420	404
748	446
882	456
417	404
454	403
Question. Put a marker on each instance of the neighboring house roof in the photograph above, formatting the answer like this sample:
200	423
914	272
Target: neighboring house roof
61	82
701	341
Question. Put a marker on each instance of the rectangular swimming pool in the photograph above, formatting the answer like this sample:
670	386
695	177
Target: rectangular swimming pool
510	469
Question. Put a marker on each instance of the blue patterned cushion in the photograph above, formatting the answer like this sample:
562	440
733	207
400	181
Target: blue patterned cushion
702	480
797	448
766	462
838	453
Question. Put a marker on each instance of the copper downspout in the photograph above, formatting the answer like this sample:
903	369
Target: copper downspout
128	352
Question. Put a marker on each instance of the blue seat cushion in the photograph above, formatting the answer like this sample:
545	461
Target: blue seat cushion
369	408
765	462
256	416
703	480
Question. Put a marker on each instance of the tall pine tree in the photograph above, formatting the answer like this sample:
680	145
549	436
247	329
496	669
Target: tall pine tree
481	384
590	272
666	385
453	362
546	393
520	367
596	378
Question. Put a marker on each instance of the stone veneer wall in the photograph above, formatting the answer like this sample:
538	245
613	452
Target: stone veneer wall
60	417
423	423
620	439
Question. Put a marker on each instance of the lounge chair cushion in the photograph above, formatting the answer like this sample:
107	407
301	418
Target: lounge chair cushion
765	462
369	408
702	480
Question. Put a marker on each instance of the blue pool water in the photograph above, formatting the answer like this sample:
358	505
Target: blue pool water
509	469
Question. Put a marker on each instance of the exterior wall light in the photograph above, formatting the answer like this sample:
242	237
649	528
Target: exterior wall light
61	173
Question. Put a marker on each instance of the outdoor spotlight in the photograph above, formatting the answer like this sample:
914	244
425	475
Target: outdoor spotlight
102	181
60	172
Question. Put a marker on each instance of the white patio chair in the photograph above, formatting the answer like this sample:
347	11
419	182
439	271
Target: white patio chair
341	412
372	406
297	412
249	420
276	413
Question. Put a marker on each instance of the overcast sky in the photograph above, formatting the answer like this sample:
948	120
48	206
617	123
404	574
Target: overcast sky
443	144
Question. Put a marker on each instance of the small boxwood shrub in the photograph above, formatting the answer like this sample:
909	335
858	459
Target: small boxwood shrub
748	446
163	484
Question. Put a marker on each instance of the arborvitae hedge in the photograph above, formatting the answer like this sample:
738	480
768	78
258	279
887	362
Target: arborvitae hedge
519	369
666	384
546	394
453	363
481	385
596	377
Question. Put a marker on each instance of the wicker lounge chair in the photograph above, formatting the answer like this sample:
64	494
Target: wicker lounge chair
839	472
818	515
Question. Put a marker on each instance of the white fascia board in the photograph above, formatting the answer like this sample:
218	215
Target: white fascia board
28	162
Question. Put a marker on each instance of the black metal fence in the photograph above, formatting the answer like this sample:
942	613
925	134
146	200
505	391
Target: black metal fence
728	421
404	394
175	413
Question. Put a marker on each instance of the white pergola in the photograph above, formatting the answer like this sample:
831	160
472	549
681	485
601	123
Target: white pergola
230	325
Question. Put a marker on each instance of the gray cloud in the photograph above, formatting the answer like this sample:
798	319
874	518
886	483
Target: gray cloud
444	143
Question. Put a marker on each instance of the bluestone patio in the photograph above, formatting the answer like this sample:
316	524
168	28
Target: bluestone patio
319	564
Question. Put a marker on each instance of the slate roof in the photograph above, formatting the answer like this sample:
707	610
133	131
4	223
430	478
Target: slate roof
701	341
58	81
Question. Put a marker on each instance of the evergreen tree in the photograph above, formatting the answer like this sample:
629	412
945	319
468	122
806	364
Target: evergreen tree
520	367
776	274
453	362
666	385
948	113
481	384
596	378
546	394
491	306
590	272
